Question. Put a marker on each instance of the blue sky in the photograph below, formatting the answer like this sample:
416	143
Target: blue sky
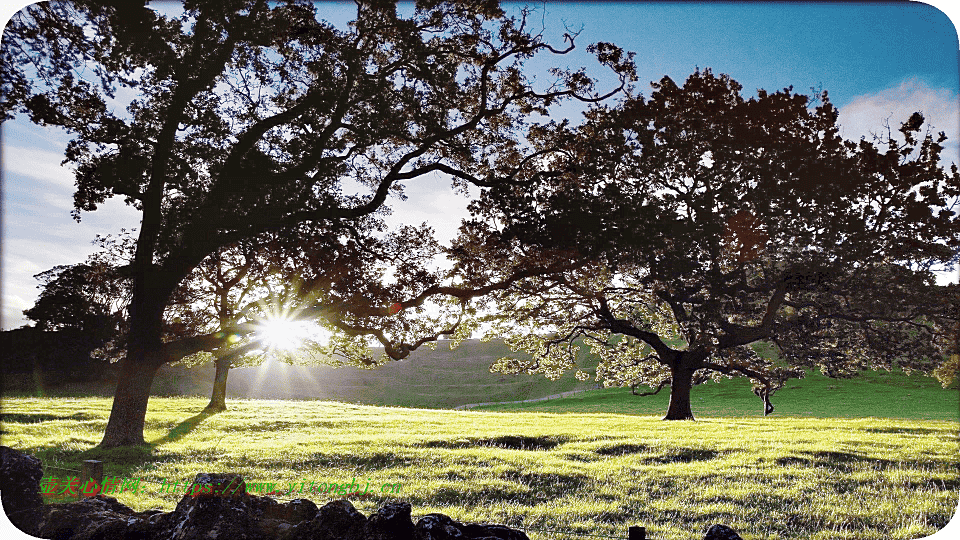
850	49
877	61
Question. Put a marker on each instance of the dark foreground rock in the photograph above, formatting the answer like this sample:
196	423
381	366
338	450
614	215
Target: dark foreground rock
252	517
221	509
20	476
721	532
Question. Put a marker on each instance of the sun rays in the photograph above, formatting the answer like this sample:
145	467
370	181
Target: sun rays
286	340
284	334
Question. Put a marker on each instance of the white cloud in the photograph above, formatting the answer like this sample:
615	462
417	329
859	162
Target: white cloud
431	199
13	307
866	114
37	164
39	234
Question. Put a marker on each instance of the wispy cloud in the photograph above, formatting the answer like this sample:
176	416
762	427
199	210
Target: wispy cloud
37	164
39	234
865	115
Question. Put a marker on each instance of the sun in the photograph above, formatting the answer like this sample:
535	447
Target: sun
285	334
281	334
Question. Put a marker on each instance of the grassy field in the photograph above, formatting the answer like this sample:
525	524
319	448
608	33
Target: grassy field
880	394
774	477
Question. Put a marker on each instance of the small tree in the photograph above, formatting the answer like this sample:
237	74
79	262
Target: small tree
697	222
306	275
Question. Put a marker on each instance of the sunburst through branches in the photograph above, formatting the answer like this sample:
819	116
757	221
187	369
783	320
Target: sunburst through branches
283	334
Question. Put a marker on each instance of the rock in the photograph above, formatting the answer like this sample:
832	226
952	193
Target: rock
218	507
92	518
721	532
502	532
441	527
336	520
390	522
20	476
438	527
274	520
292	512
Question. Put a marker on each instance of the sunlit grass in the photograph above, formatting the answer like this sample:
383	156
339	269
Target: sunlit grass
589	473
879	394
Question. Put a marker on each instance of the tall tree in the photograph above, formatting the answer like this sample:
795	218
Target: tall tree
84	297
88	298
697	222
249	116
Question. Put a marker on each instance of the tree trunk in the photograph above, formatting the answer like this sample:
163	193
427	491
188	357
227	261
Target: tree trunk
125	426
218	399
138	368
680	385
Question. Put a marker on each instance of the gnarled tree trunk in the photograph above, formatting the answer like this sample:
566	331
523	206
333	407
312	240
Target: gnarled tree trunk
139	367
218	399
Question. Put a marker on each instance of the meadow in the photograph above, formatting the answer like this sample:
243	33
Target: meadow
589	473
882	394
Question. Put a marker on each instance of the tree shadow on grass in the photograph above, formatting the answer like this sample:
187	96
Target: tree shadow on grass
509	442
182	429
31	418
839	461
132	455
65	460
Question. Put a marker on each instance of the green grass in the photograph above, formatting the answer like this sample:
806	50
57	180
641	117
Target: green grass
774	477
880	394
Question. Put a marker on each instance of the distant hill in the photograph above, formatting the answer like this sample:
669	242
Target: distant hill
442	378
428	379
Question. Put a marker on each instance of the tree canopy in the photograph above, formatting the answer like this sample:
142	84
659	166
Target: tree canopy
690	224
234	119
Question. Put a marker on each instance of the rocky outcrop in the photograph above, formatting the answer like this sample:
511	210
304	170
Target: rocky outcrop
252	517
98	517
219	507
441	527
20	476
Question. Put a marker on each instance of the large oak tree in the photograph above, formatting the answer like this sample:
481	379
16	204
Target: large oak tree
690	224
240	117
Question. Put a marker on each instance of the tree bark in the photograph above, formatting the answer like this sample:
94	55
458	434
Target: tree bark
680	385
218	399
125	427
139	367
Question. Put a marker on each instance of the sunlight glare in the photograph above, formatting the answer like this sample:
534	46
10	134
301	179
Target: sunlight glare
288	335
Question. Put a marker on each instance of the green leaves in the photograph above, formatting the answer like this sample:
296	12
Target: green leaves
702	221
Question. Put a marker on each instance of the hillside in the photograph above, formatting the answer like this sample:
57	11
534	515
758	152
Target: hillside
442	378
445	378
